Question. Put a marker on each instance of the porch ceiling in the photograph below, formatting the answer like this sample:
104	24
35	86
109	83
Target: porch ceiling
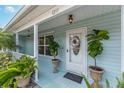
81	13
31	13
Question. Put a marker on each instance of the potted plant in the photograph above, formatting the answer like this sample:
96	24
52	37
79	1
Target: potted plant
53	47
21	71
95	48
27	67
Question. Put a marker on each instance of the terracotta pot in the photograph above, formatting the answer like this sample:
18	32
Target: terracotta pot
55	63
96	74
22	82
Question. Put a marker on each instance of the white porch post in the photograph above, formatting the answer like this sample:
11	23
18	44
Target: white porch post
17	41
36	48
122	38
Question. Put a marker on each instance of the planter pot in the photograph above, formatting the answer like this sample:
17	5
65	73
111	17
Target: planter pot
55	63
96	74
22	82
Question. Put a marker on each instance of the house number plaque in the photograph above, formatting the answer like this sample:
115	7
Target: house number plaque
54	11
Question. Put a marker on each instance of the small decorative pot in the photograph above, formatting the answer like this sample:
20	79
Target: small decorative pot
55	63
22	82
96	74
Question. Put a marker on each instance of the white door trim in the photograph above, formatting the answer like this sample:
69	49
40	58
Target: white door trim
85	66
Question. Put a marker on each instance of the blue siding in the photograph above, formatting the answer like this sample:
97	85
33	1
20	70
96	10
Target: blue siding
22	44
29	46
110	60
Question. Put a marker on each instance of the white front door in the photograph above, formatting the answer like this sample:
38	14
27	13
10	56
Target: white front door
76	51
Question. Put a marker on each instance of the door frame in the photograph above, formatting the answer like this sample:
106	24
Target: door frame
85	65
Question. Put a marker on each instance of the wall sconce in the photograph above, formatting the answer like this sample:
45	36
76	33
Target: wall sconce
70	19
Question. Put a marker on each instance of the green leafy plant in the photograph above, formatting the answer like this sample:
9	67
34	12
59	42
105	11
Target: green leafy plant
53	47
7	41
0	29
7	77
120	82
95	44
5	60
5	56
107	83
24	67
87	82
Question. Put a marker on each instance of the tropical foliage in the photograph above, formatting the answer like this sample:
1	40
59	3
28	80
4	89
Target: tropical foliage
0	29
87	82
7	41
24	67
5	60
53	47
120	82
107	84
95	44
5	56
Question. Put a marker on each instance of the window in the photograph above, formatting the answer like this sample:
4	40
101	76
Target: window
44	44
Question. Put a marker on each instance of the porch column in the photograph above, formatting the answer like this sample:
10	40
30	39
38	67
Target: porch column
36	48
17	41
122	38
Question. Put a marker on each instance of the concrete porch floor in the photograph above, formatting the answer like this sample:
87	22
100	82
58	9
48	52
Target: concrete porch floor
56	80
48	79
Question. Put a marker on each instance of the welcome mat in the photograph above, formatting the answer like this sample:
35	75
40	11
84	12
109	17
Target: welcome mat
73	77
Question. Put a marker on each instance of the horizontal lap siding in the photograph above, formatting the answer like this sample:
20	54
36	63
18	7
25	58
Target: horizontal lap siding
110	59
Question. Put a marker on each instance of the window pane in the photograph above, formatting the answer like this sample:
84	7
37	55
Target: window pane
47	51
41	40
49	37
41	50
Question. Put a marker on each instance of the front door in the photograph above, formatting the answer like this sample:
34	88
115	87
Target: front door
76	50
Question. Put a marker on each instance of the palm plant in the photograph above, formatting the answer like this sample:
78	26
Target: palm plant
7	76
7	41
26	65
23	67
95	45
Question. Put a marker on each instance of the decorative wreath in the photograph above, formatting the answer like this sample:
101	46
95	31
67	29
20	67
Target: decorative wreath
75	41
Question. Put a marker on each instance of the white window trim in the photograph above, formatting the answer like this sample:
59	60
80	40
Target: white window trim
44	35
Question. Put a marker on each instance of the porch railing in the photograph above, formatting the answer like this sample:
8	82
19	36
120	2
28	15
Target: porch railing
17	55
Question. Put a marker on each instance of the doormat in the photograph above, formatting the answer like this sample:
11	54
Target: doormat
73	77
